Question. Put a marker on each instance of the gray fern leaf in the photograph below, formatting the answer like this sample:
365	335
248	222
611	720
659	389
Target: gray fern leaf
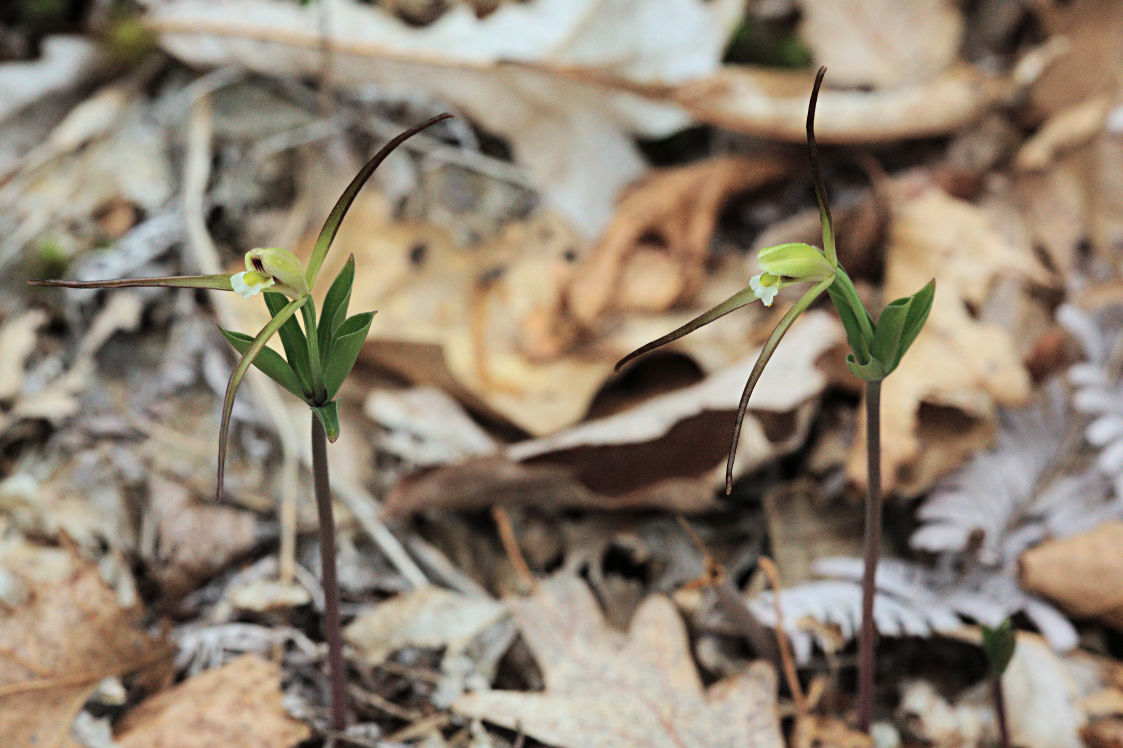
1099	390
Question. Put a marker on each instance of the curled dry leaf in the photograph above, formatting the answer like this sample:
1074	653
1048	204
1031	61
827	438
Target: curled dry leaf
65	635
604	689
1080	573
481	323
1064	130
773	104
676	207
960	367
881	43
668	452
238	704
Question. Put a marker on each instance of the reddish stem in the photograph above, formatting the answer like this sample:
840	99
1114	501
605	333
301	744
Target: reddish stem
867	637
337	671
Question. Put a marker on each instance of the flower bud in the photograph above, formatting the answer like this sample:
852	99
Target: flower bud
273	268
795	261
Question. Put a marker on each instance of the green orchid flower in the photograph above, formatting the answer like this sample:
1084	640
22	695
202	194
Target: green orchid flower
270	268
318	357
876	349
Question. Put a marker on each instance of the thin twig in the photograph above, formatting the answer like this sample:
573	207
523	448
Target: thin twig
511	546
773	573
729	599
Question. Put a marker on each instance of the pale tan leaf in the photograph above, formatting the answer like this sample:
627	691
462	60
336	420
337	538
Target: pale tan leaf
881	43
572	132
679	207
1079	573
771	103
605	689
428	617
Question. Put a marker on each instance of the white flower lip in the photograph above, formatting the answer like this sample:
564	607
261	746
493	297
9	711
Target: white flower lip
766	293
250	283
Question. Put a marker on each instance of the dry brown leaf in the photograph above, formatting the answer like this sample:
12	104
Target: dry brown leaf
1091	30
238	704
66	635
1064	130
188	550
679	208
1080	573
881	43
1103	733
604	689
481	323
945	391
667	452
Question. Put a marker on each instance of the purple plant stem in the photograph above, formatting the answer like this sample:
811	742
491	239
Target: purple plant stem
867	637
337	672
1000	712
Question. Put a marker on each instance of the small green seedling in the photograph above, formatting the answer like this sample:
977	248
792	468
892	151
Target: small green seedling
318	358
999	644
876	348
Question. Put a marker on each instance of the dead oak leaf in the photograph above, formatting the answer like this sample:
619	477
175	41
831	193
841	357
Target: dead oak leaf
606	689
61	632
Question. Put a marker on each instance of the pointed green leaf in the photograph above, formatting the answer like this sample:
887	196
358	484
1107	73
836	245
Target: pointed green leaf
734	302
269	361
331	225
917	316
345	351
329	418
335	307
854	332
293	341
999	644
887	334
213	282
248	357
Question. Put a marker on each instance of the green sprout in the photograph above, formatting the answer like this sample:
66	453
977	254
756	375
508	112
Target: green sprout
998	645
318	357
876	348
